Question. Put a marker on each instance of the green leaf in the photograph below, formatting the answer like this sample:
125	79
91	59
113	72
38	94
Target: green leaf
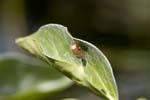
24	78
84	63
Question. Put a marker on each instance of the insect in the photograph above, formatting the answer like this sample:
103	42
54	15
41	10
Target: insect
78	52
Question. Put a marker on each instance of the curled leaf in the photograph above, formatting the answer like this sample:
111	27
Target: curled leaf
79	60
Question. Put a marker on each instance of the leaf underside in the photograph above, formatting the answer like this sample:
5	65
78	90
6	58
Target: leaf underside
88	66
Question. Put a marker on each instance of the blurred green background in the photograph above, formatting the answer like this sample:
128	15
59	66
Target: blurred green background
120	28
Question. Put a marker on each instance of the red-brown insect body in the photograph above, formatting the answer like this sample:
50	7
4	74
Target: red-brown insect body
77	50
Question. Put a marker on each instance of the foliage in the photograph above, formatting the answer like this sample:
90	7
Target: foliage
85	64
25	78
